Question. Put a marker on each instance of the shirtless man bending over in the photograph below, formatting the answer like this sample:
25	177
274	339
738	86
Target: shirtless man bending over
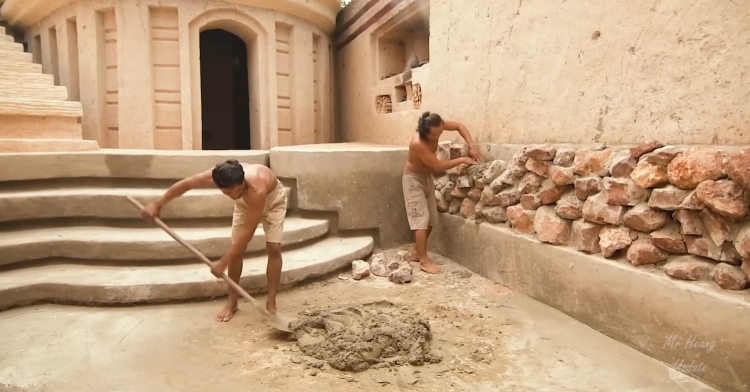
258	195
419	188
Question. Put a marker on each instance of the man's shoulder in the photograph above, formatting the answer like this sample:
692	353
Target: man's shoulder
251	165
416	142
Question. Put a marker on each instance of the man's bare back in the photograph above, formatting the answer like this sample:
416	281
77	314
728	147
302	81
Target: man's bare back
259	178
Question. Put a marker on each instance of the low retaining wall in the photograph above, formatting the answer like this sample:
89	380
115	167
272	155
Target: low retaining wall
693	327
654	234
361	182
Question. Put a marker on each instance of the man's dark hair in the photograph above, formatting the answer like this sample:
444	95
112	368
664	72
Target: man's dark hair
228	174
426	122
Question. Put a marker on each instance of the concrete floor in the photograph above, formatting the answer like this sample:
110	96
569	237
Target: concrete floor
491	338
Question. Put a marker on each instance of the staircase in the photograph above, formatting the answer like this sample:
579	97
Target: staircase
35	113
76	238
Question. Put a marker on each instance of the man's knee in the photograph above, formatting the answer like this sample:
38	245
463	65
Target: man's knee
273	249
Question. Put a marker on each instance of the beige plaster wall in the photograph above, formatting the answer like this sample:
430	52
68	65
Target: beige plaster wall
563	71
360	182
135	66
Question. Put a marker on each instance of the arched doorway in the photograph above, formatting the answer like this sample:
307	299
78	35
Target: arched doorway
225	95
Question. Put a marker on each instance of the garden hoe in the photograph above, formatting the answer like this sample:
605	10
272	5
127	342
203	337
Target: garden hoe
277	320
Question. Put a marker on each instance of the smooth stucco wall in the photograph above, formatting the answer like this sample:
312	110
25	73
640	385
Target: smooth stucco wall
360	182
572	71
135	66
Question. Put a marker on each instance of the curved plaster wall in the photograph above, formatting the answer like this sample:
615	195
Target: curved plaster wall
135	65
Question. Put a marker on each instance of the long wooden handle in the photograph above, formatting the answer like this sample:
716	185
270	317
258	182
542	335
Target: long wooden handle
200	255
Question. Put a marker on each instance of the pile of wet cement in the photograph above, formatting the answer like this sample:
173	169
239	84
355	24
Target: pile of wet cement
358	337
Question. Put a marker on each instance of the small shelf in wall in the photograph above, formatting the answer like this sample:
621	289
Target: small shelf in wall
403	92
402	47
405	44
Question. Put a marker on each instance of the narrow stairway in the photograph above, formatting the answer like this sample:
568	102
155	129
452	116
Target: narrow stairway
35	114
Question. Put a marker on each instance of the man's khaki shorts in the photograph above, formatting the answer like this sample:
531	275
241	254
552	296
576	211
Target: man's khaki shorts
274	213
419	195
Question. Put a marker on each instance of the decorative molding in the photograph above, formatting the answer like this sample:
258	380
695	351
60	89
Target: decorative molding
322	13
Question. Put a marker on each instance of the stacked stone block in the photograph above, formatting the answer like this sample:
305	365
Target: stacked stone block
684	210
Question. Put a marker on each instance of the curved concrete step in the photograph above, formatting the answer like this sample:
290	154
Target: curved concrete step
46	145
26	77
141	243
6	38
119	163
72	283
100	202
10	89
21	57
40	127
12	66
40	107
11	46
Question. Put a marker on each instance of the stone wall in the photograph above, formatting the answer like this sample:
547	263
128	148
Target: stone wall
681	209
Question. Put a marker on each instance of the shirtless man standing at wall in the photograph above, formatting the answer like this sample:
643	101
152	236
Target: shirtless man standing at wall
257	194
419	188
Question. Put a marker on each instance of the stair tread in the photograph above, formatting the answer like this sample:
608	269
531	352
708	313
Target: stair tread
40	107
5	83
15	147
139	243
118	284
11	46
95	234
22	204
100	190
15	75
35	101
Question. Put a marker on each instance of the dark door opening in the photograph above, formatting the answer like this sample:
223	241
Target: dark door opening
225	98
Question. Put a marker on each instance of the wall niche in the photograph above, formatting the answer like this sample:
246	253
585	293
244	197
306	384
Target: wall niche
406	44
383	104
402	49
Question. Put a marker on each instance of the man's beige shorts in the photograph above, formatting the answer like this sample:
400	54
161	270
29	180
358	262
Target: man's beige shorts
274	213
421	205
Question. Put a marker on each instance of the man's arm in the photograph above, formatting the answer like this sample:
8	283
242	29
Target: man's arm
451	125
255	202
200	180
438	166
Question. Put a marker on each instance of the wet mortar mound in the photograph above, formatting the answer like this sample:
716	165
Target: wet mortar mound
355	338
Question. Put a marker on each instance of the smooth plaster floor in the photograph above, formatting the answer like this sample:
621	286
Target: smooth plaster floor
491	339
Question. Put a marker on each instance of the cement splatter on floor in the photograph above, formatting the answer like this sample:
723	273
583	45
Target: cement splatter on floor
359	336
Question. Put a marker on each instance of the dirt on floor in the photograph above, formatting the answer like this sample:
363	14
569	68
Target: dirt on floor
487	337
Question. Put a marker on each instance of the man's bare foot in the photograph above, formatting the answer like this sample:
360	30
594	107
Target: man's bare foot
427	266
271	308
413	255
226	313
